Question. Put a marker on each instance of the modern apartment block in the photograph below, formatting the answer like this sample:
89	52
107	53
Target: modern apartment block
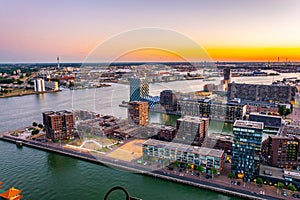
192	130
280	93
51	85
139	88
199	156
168	100
282	151
220	111
39	85
138	113
161	132
291	130
59	125
269	121
246	149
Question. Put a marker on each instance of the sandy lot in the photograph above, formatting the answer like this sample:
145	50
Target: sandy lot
129	151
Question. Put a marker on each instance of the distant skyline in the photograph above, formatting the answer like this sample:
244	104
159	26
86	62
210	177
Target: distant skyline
231	30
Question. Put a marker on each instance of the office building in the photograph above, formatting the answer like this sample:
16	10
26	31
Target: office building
168	100
59	125
192	130
214	110
39	85
282	151
199	156
138	113
270	121
246	149
279	93
139	88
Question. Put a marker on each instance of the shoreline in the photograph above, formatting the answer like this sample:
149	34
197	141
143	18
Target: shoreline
29	93
139	169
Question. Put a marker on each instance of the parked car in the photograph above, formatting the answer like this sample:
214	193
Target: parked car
284	193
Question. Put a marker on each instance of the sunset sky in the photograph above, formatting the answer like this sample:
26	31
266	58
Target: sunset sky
228	30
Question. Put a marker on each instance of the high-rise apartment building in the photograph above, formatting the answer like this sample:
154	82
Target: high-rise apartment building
59	125
246	149
192	130
39	85
168	100
139	88
138	113
282	151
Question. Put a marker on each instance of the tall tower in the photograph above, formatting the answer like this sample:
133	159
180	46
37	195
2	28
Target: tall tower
138	113
139	88
57	62
246	149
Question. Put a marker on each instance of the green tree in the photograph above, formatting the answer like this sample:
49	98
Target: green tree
200	168
287	112
213	172
291	187
259	181
281	110
230	175
35	131
280	185
34	124
40	126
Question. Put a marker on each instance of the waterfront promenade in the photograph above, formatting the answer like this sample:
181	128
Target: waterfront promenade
219	184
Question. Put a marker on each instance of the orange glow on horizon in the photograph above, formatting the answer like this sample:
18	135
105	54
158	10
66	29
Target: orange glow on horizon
217	54
255	54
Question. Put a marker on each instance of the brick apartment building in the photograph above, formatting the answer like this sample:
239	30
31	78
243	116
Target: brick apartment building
138	113
192	130
59	125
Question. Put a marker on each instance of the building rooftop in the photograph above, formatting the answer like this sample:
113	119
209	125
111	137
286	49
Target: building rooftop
265	115
193	119
161	126
202	151
248	124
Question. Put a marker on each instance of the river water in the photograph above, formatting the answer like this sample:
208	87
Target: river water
44	175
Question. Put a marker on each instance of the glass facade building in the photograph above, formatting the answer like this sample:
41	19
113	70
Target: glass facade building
139	88
246	149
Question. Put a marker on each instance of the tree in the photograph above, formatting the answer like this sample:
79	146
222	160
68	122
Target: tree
283	111
35	131
200	168
213	171
280	185
40	126
259	181
176	163
230	175
34	124
291	187
287	112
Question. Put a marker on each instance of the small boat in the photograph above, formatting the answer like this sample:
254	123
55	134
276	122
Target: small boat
19	143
